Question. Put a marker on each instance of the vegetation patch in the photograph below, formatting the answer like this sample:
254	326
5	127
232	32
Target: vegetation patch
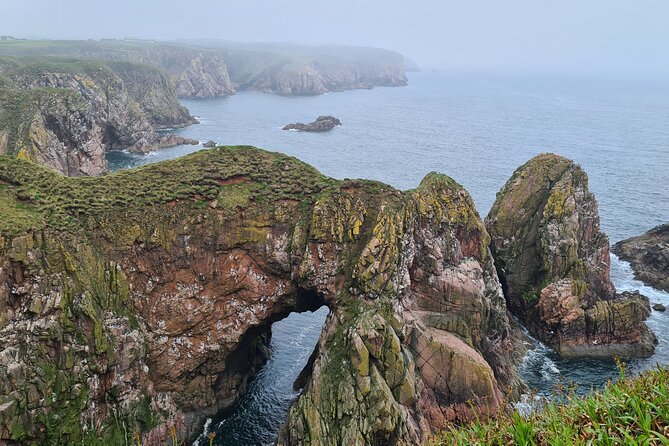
630	411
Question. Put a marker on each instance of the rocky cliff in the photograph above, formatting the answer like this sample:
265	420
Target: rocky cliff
554	264
212	68
649	256
138	302
303	70
67	113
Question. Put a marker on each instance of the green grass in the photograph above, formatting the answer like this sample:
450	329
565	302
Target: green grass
227	177
630	411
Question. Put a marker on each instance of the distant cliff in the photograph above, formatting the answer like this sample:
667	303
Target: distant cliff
303	70
212	68
67	113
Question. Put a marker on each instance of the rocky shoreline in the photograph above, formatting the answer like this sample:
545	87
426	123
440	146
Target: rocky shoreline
648	254
140	302
65	104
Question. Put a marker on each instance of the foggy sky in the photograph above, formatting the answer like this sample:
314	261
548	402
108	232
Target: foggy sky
589	36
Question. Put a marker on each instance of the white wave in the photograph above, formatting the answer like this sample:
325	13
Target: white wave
205	432
623	279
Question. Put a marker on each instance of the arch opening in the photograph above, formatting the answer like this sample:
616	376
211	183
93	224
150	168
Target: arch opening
283	364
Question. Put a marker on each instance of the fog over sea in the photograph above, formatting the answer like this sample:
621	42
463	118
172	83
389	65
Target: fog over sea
478	129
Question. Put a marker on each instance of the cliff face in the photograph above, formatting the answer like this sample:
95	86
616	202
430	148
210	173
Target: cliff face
67	114
314	79
141	300
206	77
649	256
299	70
208	69
554	263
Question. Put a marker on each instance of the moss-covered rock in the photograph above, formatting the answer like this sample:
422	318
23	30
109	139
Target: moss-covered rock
139	301
554	263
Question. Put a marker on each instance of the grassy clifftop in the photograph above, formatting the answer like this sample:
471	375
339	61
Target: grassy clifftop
631	411
36	197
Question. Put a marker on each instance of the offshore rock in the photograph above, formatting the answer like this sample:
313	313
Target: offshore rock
554	264
141	301
321	124
210	144
649	256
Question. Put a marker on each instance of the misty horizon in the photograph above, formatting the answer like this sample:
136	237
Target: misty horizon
600	37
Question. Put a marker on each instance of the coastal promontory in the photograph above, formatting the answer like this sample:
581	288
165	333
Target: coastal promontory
67	114
139	302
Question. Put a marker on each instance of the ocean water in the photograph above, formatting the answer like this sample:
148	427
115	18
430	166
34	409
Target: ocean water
478	129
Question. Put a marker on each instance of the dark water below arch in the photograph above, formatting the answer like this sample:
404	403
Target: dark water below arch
477	129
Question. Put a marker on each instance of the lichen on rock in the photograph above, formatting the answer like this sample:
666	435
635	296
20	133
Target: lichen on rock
143	299
554	263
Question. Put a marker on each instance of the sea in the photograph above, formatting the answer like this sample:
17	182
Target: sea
476	128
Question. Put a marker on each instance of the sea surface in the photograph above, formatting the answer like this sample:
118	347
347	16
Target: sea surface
478	129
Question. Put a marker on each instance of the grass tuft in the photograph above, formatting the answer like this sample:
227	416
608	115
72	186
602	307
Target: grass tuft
630	411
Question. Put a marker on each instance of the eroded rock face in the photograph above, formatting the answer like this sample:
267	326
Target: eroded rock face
205	77
419	333
649	256
68	115
146	310
554	264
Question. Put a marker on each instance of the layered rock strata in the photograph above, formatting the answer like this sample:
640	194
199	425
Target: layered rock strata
554	264
649	256
139	302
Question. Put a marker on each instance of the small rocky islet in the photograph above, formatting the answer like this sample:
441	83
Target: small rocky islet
321	124
158	286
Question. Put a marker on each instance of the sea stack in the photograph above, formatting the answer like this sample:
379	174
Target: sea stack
554	264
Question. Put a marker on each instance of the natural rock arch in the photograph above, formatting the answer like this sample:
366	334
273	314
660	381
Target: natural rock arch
141	285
